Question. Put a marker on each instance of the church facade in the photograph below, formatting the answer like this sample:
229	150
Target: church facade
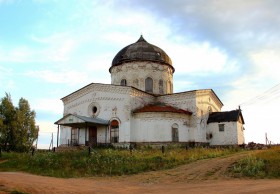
139	107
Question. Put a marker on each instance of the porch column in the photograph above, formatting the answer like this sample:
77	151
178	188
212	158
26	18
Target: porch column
57	136
86	129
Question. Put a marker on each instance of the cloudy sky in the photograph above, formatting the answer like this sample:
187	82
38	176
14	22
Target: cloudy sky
50	48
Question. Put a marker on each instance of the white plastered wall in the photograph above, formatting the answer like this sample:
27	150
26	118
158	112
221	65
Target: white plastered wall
157	127
227	137
140	71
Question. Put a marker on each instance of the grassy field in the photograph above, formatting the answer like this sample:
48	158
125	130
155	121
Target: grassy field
104	162
259	164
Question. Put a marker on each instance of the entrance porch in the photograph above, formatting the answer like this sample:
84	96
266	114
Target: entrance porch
75	130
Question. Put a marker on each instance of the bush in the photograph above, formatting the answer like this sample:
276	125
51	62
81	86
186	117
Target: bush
260	164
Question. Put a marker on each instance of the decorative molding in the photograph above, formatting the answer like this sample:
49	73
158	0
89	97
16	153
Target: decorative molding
97	87
89	100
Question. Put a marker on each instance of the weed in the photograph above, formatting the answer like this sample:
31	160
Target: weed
264	163
104	162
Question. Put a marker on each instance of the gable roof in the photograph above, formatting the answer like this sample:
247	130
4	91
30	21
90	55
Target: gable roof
227	116
161	108
78	120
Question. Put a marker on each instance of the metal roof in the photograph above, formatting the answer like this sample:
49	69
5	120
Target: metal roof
141	51
227	116
78	120
162	108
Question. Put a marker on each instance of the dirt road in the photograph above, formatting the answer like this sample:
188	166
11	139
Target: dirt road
204	176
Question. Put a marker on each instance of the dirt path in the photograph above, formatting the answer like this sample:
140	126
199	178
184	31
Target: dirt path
204	176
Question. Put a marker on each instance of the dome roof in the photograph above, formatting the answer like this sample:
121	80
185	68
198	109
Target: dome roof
141	51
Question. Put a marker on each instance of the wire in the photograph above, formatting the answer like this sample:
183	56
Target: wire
266	96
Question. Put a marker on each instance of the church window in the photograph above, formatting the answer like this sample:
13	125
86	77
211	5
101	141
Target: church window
160	85
94	110
175	133
149	84
123	82
221	127
114	131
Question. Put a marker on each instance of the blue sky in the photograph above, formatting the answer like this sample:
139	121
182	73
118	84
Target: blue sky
50	48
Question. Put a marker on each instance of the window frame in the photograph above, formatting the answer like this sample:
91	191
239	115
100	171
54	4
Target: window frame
123	82
221	127
149	85
114	132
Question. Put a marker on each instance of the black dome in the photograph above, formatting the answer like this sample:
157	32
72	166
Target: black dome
141	51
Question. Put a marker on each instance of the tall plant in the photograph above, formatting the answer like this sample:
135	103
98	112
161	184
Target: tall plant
17	125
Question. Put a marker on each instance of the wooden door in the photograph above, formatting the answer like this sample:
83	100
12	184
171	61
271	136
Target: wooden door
92	137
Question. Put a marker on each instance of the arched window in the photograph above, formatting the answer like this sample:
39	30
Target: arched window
149	84
123	82
175	133
160	86
114	131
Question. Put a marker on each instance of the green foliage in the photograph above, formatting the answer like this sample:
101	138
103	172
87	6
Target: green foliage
262	163
272	161
17	125
250	166
104	162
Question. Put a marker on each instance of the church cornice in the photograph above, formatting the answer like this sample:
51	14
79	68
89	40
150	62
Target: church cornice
96	87
117	89
212	94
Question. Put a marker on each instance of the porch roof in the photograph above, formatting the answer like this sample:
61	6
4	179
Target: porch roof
73	120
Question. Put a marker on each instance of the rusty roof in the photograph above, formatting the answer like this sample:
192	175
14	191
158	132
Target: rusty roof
161	108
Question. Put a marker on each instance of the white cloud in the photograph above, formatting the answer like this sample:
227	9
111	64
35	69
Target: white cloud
267	62
54	106
70	77
199	59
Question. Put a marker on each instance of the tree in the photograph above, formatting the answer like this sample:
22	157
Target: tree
7	130
26	126
18	130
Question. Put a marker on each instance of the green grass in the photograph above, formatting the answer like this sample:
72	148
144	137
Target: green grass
261	164
104	162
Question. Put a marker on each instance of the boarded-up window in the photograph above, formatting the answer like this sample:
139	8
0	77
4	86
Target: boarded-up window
221	127
123	82
175	133
74	136
149	85
160	85
114	132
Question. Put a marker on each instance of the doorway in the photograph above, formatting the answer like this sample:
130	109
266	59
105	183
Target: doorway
92	136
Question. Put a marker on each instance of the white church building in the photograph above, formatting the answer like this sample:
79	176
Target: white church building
140	108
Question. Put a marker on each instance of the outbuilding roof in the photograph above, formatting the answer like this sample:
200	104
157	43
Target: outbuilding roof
227	116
